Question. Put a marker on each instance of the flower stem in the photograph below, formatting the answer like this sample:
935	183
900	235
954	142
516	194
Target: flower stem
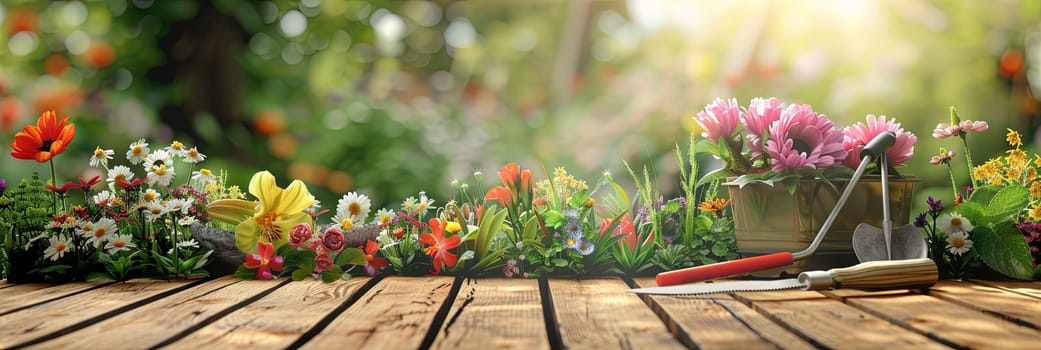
968	158
954	186
54	182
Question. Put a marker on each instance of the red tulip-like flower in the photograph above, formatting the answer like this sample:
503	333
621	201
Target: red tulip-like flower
41	142
373	263
264	260
438	245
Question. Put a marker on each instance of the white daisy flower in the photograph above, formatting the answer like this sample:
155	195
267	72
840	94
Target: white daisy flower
59	245
101	156
119	173
958	243
180	204
155	211
194	156
384	216
86	229
954	222
138	151
176	149
119	242
204	177
150	196
409	204
157	159
103	197
102	232
353	206
424	203
62	221
161	175
189	244
186	221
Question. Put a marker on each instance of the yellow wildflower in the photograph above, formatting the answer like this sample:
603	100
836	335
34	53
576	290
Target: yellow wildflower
1035	190
1035	213
1031	174
279	210
989	172
1014	139
1037	160
1016	159
453	227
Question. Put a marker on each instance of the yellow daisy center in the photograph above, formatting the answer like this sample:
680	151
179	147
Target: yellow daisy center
957	243
150	196
120	177
347	224
161	170
99	232
138	150
119	243
60	246
193	153
354	208
99	153
204	171
384	219
177	145
955	221
157	211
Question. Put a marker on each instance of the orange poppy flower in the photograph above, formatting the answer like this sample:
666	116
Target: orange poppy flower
41	142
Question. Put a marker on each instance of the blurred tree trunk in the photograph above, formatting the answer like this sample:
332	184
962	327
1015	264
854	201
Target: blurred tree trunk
202	65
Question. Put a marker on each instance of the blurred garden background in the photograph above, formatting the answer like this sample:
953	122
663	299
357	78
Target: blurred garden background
393	97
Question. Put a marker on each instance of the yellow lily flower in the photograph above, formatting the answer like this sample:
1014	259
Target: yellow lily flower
279	210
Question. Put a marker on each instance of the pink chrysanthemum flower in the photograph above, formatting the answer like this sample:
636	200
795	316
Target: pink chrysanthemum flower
802	138
761	113
719	119
858	135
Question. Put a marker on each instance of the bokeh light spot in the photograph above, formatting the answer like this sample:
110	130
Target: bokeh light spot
293	24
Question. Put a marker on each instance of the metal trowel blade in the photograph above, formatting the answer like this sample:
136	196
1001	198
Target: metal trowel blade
869	243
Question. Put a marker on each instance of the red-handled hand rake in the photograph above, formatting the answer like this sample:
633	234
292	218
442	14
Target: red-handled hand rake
874	149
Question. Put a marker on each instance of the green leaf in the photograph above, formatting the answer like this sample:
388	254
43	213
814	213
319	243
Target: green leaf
720	248
346	276
246	274
671	207
300	275
1004	250
331	275
99	277
972	211
467	255
553	218
715	175
350	256
1008	201
579	199
559	262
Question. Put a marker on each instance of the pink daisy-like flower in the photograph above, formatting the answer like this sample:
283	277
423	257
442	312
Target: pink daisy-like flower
802	138
761	113
719	119
856	136
973	126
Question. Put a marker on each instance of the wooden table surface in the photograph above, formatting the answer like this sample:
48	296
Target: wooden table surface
448	313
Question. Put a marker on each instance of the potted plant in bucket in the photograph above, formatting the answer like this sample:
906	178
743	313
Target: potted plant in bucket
785	165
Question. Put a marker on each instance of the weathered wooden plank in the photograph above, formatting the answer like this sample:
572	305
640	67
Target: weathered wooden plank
718	321
779	295
1028	288
25	295
1015	307
495	314
832	324
953	323
599	313
276	320
395	314
151	324
43	321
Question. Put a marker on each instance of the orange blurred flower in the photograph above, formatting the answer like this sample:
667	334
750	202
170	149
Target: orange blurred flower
713	205
99	55
267	123
59	99
56	65
41	142
10	112
22	20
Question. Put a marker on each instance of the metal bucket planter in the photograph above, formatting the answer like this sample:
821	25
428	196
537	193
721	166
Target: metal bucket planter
768	219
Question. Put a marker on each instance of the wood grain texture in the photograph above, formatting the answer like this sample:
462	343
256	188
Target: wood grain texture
158	321
718	321
495	314
1032	289
954	323
1015	307
43	320
832	324
599	313
276	320
394	314
23	295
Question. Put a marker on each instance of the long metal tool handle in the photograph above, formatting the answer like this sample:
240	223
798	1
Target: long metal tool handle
877	147
887	223
874	148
